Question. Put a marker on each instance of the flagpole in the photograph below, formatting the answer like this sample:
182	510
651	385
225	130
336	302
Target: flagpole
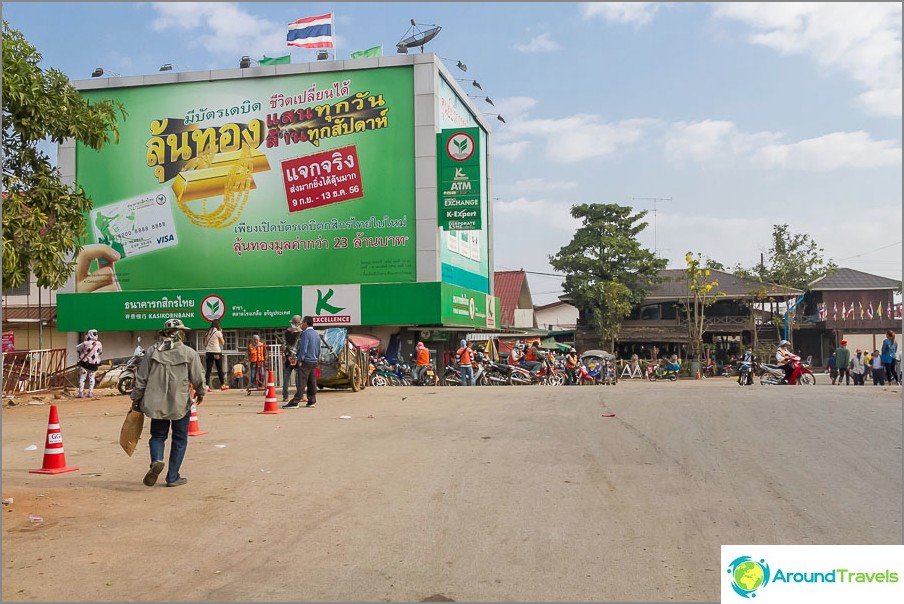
333	31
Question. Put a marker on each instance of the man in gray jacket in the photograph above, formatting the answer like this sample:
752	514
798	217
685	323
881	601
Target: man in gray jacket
162	393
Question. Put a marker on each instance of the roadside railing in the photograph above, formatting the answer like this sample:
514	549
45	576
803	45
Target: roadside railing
27	371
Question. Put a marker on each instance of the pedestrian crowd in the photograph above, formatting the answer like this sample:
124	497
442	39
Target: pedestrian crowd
881	366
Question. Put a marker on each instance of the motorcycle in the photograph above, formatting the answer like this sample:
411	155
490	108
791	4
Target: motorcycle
663	371
548	374
746	372
503	373
426	378
774	375
126	382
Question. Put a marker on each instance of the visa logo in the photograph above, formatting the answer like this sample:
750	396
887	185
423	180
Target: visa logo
165	239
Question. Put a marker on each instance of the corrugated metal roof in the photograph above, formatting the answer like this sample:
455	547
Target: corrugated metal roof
507	287
849	279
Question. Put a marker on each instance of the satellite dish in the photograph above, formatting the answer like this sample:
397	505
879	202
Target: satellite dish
419	37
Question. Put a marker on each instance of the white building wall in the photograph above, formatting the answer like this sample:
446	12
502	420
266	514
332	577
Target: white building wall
558	317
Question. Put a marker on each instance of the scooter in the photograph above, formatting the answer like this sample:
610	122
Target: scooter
663	372
126	382
774	375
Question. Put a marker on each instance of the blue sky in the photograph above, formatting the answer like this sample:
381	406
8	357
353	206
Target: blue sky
743	115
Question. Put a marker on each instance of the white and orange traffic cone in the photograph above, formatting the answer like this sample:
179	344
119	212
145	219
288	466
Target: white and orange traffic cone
270	403
54	458
194	428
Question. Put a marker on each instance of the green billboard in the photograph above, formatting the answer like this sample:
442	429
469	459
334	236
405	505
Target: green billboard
254	182
430	303
464	253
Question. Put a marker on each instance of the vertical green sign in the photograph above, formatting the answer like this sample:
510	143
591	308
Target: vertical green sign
458	175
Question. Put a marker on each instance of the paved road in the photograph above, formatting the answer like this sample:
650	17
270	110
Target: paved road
487	494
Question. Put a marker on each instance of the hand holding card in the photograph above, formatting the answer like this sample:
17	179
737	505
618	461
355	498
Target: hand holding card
104	278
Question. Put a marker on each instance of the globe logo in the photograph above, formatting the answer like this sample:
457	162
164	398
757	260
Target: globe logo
748	575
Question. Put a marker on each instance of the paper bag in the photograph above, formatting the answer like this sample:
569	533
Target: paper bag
131	431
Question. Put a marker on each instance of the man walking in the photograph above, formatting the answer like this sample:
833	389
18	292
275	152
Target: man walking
308	357
162	393
290	353
843	362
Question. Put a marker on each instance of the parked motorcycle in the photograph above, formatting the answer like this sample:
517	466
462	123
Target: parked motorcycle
126	382
663	371
774	374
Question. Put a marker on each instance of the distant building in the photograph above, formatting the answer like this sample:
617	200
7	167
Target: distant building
848	304
516	306
556	316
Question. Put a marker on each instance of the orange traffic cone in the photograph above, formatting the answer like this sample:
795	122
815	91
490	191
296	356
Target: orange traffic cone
270	404
193	428
54	458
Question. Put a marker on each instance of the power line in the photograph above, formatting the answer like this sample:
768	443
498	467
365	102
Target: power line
871	251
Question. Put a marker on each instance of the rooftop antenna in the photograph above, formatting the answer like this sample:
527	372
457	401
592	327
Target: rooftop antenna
417	39
655	201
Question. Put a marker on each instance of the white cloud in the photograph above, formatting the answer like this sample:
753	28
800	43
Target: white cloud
582	136
721	143
541	214
852	150
540	184
228	28
711	142
541	43
741	240
510	151
638	13
862	40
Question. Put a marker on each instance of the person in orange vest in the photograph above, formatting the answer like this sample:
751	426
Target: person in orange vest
421	360
257	354
532	360
571	366
465	358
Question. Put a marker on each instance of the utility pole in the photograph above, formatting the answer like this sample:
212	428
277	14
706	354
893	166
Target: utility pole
655	201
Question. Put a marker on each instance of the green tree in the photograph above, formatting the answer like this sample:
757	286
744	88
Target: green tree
606	269
794	260
43	219
701	293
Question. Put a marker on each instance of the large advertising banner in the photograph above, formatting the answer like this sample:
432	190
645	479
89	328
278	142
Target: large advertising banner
463	253
254	182
333	305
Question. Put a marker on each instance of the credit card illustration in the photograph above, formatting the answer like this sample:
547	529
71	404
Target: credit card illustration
138	225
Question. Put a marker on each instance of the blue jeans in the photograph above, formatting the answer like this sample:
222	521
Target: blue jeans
159	430
286	376
467	375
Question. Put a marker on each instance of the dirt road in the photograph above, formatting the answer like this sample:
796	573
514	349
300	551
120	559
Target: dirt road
492	494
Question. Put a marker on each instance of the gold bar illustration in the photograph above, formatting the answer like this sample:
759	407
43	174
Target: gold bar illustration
258	159
211	181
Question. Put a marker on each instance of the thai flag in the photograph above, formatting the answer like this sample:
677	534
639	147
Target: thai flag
843	311
835	311
311	32
869	310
